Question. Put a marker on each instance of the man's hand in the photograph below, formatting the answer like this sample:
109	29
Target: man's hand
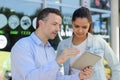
86	73
66	54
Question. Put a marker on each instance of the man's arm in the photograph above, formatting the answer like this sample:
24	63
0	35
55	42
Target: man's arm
65	55
24	66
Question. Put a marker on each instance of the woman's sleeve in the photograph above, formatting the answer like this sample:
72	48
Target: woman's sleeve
112	60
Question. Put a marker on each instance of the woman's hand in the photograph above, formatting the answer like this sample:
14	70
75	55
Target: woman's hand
86	73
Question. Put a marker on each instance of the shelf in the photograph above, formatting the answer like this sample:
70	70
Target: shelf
104	36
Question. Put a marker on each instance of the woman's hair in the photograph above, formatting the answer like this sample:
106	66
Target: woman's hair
83	12
45	12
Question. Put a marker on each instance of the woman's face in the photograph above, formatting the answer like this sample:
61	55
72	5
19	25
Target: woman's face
80	27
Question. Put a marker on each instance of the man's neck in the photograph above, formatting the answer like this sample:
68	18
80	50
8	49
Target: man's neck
41	37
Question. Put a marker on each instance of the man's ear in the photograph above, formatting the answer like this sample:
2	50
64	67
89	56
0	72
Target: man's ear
40	22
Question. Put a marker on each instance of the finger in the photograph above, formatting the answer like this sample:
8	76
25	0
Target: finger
73	50
88	71
88	68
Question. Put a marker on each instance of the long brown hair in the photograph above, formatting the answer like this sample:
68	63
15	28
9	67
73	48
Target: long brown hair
83	12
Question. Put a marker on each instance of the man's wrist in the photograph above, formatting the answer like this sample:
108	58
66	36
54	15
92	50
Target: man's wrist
58	61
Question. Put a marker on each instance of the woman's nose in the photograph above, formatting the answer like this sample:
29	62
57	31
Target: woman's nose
80	30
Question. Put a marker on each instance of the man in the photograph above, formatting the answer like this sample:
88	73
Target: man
33	58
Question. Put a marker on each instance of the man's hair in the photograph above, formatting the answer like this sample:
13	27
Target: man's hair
83	12
45	12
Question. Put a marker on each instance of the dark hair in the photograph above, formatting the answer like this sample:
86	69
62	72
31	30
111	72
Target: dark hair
45	12
83	12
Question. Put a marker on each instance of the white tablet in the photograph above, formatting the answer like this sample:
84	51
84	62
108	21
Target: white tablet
86	59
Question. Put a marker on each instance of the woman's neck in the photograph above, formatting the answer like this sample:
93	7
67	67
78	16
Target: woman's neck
77	40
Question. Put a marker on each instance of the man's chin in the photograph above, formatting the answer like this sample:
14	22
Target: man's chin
52	38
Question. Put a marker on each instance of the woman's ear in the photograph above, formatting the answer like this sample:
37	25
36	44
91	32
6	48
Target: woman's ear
91	28
72	24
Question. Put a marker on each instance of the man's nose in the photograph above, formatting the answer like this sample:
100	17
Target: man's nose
58	28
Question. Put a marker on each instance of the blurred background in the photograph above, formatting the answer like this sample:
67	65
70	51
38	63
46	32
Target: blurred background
17	20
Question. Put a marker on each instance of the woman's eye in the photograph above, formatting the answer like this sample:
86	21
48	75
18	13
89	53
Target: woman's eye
85	27
76	26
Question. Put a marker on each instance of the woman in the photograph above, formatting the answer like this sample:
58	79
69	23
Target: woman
84	40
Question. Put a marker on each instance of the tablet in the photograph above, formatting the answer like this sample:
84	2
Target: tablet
86	59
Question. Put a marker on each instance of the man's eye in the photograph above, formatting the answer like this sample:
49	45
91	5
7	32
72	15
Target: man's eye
54	24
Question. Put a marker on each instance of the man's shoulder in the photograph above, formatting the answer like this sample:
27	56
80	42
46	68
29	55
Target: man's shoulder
23	41
21	44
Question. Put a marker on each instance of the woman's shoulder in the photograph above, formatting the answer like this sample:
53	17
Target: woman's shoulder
97	39
65	40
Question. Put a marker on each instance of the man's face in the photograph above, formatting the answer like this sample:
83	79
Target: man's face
51	25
